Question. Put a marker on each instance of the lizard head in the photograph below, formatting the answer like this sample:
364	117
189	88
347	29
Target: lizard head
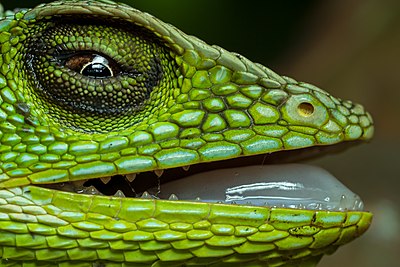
100	91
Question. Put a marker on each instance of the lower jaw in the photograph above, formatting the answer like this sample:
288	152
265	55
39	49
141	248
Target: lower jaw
161	230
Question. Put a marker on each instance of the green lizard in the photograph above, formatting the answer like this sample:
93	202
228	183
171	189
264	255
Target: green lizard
94	89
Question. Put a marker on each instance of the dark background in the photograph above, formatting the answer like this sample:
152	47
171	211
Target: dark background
351	48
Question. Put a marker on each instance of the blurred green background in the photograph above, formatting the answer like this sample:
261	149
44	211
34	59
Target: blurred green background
351	48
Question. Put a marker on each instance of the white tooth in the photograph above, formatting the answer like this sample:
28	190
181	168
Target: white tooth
92	191
159	172
186	168
173	197
130	177
146	195
80	191
78	186
119	193
105	180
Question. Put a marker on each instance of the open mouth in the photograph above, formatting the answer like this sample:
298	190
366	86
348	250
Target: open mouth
256	180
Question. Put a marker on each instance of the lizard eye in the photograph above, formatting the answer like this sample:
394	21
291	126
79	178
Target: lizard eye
95	75
92	65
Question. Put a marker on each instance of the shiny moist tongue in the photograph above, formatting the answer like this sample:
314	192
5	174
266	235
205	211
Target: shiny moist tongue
288	185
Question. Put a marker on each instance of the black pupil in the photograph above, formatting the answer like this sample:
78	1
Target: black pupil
97	69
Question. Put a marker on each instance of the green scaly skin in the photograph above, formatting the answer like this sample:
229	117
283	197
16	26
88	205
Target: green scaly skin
188	103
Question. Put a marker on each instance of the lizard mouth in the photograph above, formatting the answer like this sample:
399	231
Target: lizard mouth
287	185
255	180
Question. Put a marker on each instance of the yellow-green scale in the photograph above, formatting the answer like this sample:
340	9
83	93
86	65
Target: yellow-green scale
193	103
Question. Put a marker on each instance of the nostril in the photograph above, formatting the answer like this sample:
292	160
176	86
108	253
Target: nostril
305	109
